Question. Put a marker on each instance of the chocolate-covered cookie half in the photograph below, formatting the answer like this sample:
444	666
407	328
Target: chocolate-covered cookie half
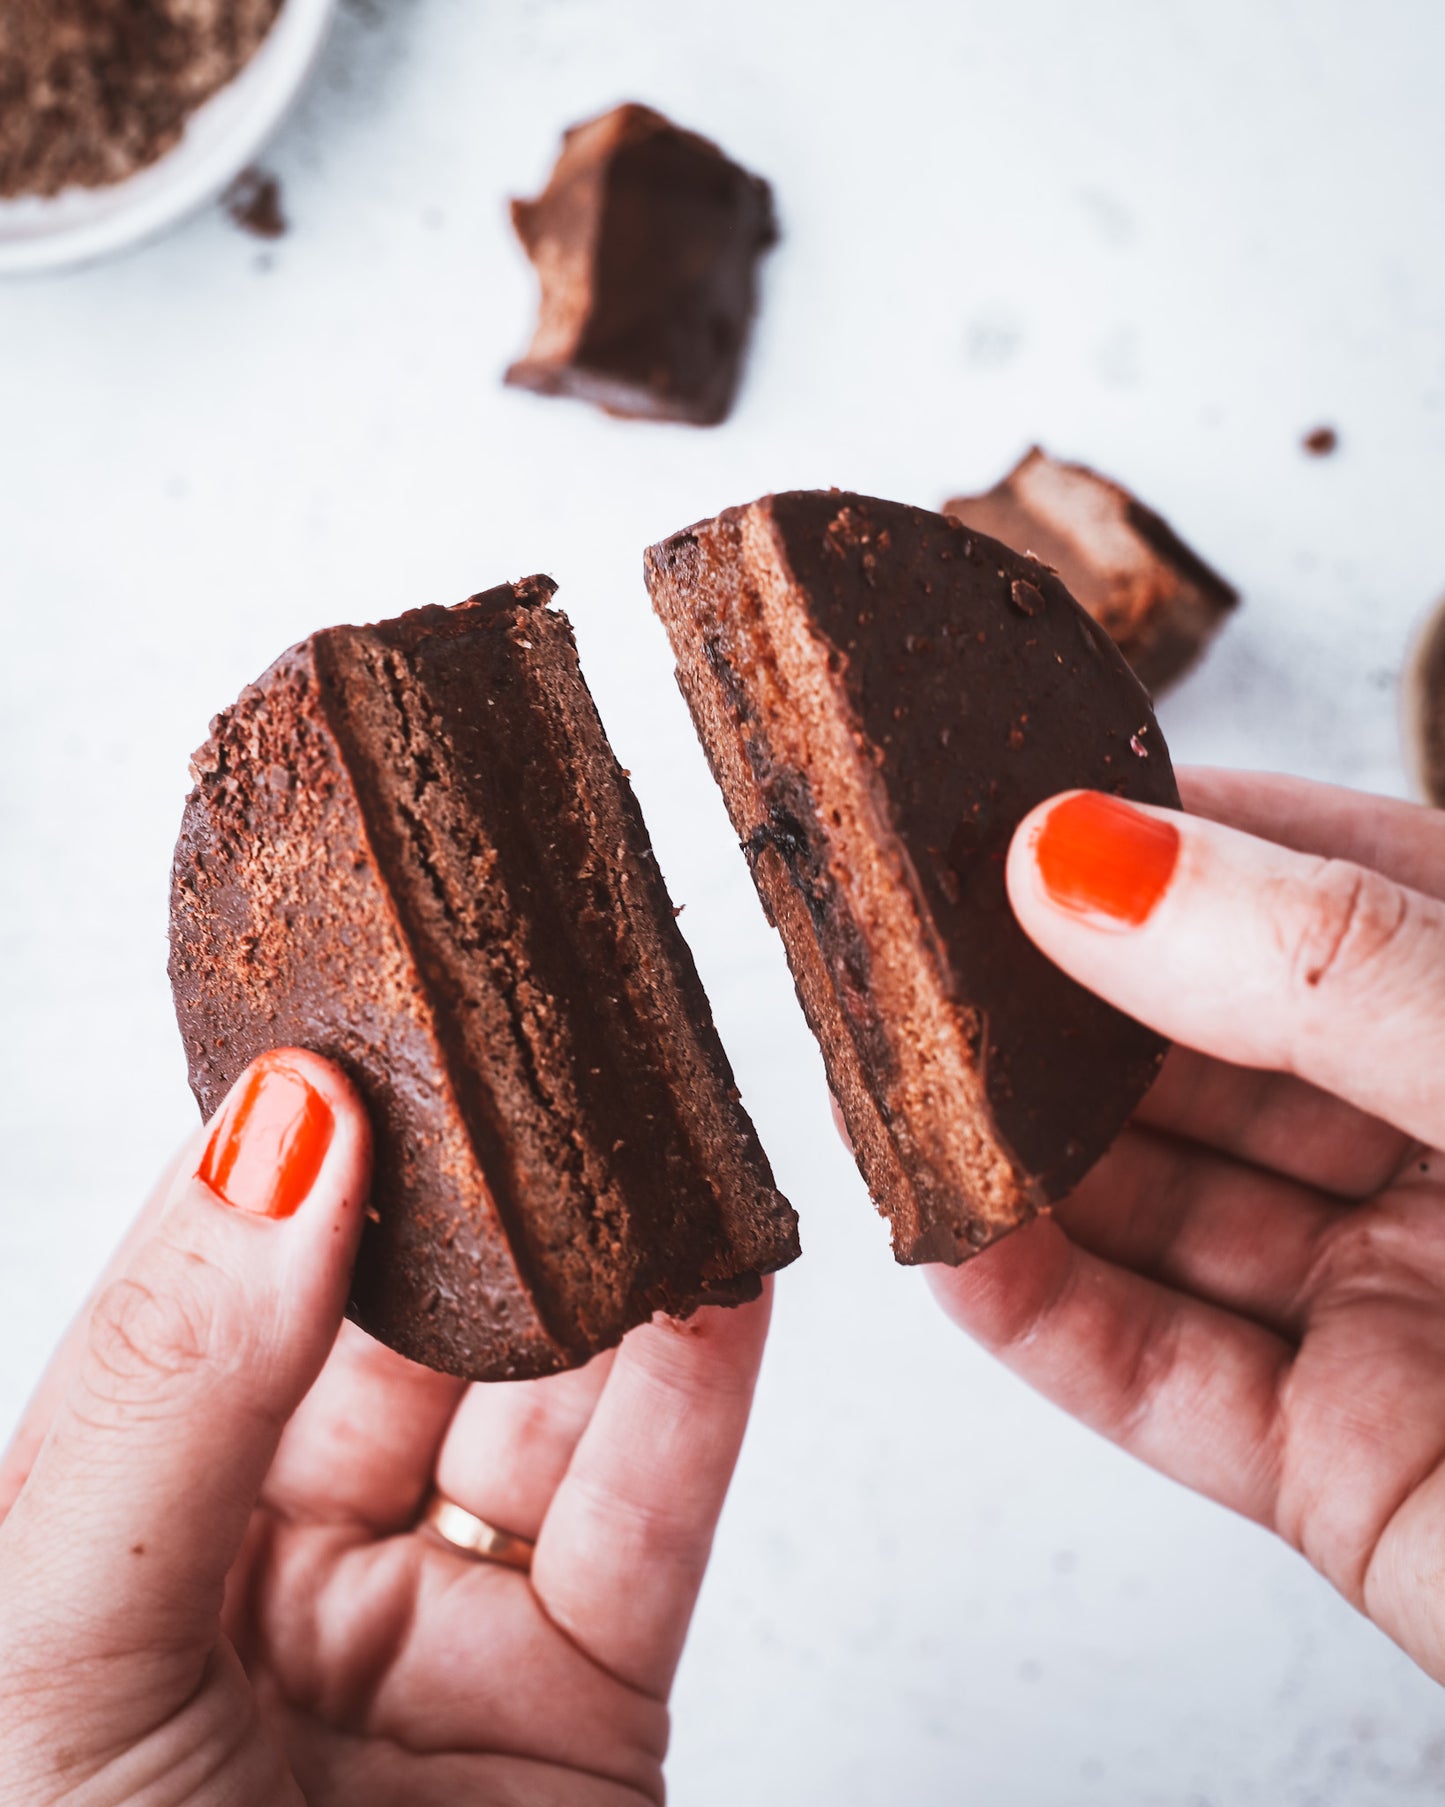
411	849
883	694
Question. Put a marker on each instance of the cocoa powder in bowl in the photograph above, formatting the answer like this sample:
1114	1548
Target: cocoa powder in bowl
93	90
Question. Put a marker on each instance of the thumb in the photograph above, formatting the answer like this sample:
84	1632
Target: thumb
196	1353
1242	949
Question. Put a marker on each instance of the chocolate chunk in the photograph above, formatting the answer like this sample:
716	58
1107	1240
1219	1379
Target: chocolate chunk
875	792
411	849
1158	600
1319	442
646	241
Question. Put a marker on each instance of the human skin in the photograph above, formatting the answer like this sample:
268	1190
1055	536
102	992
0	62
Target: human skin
1248	1292
211	1591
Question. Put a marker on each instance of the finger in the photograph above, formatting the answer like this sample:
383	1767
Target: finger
431	1652
362	1445
1186	1387
194	1358
1404	841
35	1421
1365	1401
510	1443
1400	1584
25	1445
332	1765
625	1543
1225	1232
1243	949
1276	1122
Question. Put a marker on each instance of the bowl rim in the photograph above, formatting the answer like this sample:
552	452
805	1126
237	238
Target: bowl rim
220	138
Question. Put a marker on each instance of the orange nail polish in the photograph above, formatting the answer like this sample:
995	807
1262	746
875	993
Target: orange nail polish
269	1141
1100	856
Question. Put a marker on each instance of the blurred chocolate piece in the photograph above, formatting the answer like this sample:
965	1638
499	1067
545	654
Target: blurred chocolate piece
1423	700
883	696
1320	442
646	241
1158	601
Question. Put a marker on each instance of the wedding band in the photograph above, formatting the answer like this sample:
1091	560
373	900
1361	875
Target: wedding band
473	1536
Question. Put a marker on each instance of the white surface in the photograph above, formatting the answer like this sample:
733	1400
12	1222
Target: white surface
219	140
1165	238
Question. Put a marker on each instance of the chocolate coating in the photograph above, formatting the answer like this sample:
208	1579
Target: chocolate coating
411	849
1423	706
646	241
883	695
1123	563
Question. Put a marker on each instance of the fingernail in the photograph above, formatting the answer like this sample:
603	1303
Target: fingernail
269	1141
1099	856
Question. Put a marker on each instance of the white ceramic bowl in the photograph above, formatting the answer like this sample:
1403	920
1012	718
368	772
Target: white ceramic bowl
220	139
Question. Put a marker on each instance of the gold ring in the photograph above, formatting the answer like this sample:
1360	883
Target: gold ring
473	1536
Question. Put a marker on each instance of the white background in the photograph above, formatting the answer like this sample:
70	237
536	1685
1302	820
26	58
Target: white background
1167	238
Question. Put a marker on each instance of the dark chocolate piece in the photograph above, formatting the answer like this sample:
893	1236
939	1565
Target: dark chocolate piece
1319	442
411	849
883	695
646	241
1122	562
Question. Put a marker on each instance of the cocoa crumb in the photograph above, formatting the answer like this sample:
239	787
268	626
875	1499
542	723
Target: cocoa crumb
1027	598
1320	442
254	202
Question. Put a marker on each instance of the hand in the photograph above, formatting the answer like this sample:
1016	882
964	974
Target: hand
210	1590
1248	1292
